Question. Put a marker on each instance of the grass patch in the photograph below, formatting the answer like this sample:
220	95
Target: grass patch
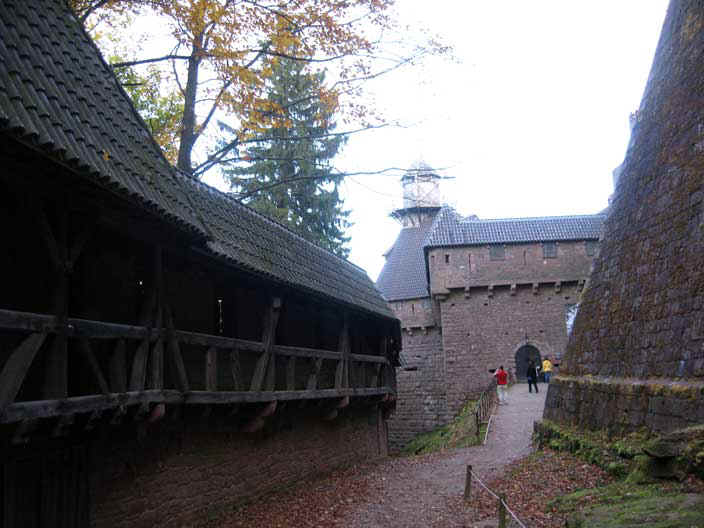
461	432
625	505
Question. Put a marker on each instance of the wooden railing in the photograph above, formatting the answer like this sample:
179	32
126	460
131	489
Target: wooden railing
143	382
485	406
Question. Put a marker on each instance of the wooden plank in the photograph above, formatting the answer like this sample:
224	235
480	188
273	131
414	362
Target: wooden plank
211	369
118	367
227	397
291	351
194	338
236	369
94	366
80	242
291	373
19	411
366	358
15	369
266	363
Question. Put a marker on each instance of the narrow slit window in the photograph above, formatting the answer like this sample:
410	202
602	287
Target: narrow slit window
447	258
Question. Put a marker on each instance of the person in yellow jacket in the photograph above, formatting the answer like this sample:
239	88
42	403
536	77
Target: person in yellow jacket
547	369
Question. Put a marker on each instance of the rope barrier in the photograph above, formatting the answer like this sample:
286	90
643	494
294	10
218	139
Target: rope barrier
513	515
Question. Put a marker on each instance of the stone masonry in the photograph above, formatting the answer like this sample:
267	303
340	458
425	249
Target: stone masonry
473	294
183	478
637	348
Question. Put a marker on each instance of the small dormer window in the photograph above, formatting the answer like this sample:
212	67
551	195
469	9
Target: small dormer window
549	250
497	252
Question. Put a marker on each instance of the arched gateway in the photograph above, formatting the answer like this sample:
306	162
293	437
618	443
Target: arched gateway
523	355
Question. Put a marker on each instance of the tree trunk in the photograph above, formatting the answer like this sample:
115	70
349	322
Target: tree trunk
188	124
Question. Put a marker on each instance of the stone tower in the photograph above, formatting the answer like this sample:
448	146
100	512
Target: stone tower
636	355
421	195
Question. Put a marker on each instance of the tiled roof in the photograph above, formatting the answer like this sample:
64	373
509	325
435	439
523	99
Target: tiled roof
256	243
449	229
59	96
403	275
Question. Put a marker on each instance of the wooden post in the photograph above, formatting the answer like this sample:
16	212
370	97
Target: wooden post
291	373
157	362
118	368
342	372
175	352
502	510
476	418
236	369
56	375
468	483
266	364
211	369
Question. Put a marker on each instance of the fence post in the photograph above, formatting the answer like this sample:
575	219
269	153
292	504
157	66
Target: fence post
468	483
502	510
476	419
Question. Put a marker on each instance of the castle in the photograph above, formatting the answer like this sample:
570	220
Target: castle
472	294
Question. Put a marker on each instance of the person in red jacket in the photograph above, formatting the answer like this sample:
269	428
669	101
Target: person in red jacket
501	383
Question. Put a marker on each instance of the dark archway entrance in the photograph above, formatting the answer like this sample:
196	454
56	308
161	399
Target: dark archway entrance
525	354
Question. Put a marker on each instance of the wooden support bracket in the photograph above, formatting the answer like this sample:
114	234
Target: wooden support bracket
259	420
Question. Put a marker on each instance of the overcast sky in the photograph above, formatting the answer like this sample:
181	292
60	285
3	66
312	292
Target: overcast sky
530	122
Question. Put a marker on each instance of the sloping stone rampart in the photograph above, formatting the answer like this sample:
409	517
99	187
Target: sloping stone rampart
642	318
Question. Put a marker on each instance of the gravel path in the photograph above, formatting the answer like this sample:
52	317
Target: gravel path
404	492
427	491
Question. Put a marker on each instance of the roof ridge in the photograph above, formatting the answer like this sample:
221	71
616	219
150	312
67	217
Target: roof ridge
527	218
228	196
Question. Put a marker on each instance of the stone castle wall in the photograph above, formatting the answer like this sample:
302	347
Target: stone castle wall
641	321
481	332
522	263
185	478
421	403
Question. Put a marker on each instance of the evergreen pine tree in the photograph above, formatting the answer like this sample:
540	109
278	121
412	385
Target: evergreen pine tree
289	176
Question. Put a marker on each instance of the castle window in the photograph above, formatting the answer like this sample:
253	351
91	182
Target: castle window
549	250
447	258
497	252
592	246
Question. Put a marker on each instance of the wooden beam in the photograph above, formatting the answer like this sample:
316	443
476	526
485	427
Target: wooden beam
84	404
32	322
94	366
139	361
227	397
342	371
175	351
266	364
15	369
118	367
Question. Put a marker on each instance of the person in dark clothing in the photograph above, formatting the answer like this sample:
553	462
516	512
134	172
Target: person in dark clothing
532	375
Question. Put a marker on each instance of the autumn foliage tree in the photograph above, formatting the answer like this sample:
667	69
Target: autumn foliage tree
222	51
